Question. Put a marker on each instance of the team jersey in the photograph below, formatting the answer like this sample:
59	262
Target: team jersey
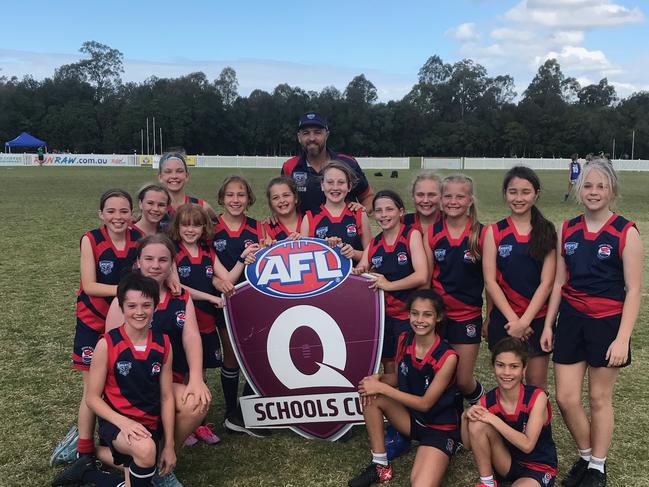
132	385
278	231
412	219
229	244
347	226
169	318
308	180
594	271
414	377
111	265
197	272
517	273
457	276
171	211
575	169
543	458
394	262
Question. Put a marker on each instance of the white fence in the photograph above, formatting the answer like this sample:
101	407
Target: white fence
69	160
469	163
277	161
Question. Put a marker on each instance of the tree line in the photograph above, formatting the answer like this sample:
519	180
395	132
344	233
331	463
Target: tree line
453	110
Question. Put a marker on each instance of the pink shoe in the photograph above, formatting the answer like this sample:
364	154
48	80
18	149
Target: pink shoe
205	432
191	440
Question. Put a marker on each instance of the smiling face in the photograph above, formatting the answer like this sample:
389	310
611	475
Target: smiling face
138	309
520	196
190	233
387	213
426	196
283	201
155	261
509	370
154	206
335	185
173	175
313	140
456	199
116	214
595	191
235	199
423	317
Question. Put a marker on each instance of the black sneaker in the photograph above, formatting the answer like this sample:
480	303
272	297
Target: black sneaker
593	478
234	424
373	474
576	474
73	475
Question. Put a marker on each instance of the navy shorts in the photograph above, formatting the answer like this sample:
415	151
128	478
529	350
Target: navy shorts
580	338
445	441
107	434
469	331
85	341
497	332
391	331
518	471
212	358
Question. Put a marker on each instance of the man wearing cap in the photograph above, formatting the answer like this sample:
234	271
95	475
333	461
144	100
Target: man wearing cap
312	134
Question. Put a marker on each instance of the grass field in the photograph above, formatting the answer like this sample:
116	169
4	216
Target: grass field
44	213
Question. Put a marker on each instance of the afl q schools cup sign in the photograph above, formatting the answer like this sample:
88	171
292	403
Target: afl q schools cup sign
305	332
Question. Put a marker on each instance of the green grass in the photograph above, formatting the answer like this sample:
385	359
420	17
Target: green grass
44	213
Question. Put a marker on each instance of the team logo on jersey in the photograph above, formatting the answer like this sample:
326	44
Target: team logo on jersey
180	318
247	243
471	330
402	258
304	356
440	255
604	251
449	445
123	367
86	355
468	256
209	271
300	179
298	269
546	478
184	270
220	244
504	250
377	260
352	231
403	368
156	367
321	232
106	266
570	247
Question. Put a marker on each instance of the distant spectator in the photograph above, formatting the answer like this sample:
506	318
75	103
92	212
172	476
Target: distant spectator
574	169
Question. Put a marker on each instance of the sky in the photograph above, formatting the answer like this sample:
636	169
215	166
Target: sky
317	44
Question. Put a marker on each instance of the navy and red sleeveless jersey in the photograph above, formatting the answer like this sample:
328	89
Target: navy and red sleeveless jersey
517	273
543	458
412	219
171	211
457	276
197	272
594	272
279	231
414	376
133	378
111	265
395	263
347	226
229	244
169	318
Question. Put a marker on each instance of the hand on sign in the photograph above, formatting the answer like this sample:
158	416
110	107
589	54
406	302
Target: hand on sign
379	281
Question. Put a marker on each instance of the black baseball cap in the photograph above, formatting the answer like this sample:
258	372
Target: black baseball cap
312	119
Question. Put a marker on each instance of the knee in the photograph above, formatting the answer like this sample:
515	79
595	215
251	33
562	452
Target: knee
188	411
478	429
567	400
144	453
599	401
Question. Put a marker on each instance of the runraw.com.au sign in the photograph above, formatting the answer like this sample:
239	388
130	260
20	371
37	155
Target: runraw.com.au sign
305	332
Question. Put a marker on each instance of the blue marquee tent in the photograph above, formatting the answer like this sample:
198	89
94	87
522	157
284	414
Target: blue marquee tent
25	140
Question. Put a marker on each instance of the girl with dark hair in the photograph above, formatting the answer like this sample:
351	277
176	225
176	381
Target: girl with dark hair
519	261
153	200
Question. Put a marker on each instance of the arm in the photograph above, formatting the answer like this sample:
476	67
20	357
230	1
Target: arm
194	352
304	227
545	287
89	275
555	298
167	414
363	265
220	272
203	296
489	270
114	317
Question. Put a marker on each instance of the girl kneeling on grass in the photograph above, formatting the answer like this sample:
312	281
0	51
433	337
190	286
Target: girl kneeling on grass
419	399
510	431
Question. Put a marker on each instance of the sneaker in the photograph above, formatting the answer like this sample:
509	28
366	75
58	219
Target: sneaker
593	478
73	475
66	450
205	432
234	424
395	443
480	484
191	440
168	480
373	473
576	474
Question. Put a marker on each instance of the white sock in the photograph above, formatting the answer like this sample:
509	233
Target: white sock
585	454
489	481
597	463
380	458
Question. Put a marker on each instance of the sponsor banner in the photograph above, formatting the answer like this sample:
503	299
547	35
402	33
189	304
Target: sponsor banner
81	160
11	160
305	332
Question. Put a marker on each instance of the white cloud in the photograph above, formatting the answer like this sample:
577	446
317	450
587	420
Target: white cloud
570	37
578	59
516	35
463	32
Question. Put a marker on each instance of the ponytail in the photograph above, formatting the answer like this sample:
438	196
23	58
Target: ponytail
543	237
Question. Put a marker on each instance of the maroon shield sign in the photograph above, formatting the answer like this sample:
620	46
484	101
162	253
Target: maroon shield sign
305	333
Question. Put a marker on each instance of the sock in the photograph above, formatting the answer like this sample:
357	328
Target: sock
103	479
474	396
597	463
230	386
140	476
585	454
488	481
85	446
380	458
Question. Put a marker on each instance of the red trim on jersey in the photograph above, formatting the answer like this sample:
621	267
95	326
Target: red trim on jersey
199	258
289	166
272	231
440	427
593	306
442	360
517	301
120	254
456	310
623	235
539	467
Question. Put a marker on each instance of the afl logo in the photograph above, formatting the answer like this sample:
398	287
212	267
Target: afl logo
298	269
402	258
180	318
209	271
156	368
351	230
604	251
